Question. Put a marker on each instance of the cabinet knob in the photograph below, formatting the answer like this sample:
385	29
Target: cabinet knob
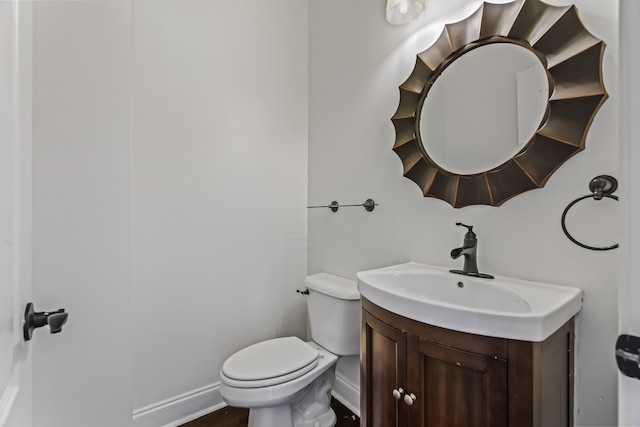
409	398
398	393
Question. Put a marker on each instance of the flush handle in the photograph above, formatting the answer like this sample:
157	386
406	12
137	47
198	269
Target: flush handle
34	319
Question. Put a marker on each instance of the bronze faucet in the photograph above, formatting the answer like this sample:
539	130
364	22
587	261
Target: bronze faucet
468	250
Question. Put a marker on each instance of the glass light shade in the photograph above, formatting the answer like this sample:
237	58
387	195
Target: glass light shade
401	12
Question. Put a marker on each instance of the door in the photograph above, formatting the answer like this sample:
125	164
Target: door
70	181
15	361
384	374
454	387
629	287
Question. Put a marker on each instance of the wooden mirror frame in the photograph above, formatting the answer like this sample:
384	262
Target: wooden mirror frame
572	58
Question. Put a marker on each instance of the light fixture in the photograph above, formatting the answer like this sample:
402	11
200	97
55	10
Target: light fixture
401	12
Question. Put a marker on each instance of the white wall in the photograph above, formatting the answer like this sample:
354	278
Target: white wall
82	211
356	63
219	186
200	184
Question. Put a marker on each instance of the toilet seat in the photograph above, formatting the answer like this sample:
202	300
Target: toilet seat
269	362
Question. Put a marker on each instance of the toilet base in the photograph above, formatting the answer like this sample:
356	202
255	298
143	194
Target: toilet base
327	419
270	416
281	416
309	408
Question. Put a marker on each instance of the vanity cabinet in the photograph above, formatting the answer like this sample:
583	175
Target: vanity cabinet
418	375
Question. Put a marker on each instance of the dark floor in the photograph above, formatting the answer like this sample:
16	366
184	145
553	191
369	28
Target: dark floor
238	417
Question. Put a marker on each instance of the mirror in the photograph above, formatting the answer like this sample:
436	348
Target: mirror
552	126
501	103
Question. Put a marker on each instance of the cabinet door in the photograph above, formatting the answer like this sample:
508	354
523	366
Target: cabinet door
382	348
455	388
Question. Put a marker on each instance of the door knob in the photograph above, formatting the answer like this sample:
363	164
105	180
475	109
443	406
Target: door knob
33	320
409	398
628	355
398	393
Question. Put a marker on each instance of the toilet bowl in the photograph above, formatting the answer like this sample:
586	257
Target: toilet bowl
284	400
287	382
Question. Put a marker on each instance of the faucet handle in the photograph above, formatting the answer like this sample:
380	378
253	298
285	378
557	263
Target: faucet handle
470	227
470	233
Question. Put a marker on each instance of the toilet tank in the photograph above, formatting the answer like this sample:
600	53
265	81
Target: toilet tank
334	313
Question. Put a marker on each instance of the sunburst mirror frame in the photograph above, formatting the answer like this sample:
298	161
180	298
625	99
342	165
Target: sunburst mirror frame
572	58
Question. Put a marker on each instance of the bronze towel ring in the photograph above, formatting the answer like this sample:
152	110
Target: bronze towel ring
601	186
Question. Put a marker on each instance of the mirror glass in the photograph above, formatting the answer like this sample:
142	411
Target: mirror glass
484	108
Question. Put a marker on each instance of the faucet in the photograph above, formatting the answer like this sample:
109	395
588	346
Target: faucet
468	250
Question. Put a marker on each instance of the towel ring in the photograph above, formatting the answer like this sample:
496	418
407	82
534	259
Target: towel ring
601	187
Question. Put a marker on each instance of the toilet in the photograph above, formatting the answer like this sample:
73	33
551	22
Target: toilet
287	382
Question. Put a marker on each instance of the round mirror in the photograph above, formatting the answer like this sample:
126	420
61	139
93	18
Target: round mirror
494	132
484	108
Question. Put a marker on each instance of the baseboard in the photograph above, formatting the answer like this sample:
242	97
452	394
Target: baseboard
347	393
180	409
194	404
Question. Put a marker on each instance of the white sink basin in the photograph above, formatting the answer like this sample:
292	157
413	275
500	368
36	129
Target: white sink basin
501	307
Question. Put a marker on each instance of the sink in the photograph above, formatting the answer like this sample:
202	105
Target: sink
502	307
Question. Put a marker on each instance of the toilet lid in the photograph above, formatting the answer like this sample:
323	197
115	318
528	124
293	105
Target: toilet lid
271	359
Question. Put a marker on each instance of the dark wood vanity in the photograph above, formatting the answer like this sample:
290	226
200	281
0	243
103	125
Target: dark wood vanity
418	375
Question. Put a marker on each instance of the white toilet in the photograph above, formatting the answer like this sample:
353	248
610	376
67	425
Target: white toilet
286	382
